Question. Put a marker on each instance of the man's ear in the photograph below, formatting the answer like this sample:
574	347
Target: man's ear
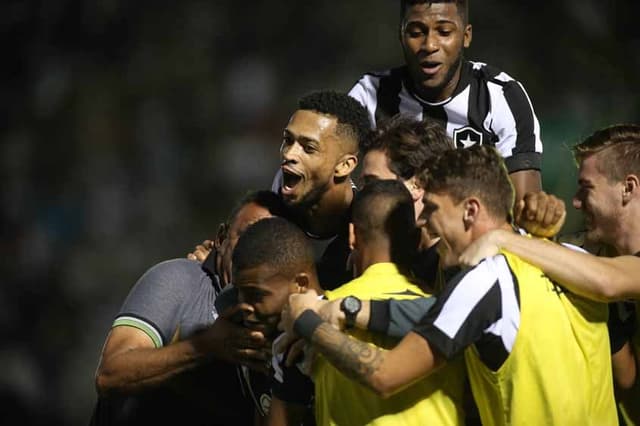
416	191
346	165
471	211
468	35
631	188
301	282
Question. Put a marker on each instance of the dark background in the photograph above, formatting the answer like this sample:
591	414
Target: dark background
128	129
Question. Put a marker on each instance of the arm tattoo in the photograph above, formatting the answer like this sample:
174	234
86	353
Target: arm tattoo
355	359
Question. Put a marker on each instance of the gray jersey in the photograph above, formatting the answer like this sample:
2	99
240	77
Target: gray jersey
171	301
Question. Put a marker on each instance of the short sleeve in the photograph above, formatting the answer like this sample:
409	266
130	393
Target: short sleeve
156	302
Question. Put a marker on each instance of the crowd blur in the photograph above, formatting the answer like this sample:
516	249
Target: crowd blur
129	129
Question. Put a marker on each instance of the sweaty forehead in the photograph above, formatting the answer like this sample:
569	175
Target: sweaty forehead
312	124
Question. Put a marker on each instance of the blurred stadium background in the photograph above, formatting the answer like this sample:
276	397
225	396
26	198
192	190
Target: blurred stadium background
130	128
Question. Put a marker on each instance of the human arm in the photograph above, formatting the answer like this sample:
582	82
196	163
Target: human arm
384	372
524	182
131	362
597	278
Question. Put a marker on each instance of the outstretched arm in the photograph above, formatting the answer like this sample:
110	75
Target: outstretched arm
384	372
597	278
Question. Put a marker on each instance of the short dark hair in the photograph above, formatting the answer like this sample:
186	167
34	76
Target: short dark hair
263	198
384	210
619	146
410	145
274	242
353	120
475	171
463	7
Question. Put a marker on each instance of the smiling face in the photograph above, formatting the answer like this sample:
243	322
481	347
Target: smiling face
600	201
309	154
267	291
433	37
444	219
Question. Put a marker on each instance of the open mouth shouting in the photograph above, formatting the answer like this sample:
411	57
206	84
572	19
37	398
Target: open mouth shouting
290	180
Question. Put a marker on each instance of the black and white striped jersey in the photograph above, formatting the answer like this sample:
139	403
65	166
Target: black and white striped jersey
479	306
487	107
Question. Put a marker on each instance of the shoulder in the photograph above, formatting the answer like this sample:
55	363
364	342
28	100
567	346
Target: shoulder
489	73
175	273
348	289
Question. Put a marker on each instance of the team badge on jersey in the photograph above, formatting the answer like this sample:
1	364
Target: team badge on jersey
466	136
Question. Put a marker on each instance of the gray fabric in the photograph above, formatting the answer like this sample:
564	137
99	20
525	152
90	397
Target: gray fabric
175	294
405	314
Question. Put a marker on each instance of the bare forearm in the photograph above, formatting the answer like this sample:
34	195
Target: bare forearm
355	359
594	277
141	368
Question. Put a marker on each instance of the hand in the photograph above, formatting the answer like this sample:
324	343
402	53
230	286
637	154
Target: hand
201	251
238	344
541	214
298	303
485	246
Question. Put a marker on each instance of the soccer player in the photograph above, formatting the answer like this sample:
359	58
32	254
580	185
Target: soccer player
272	260
476	103
609	196
319	152
384	237
402	148
168	356
522	336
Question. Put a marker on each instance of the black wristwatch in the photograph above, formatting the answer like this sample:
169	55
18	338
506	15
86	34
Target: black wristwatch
350	305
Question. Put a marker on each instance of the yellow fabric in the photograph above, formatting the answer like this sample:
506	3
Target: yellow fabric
630	407
559	370
435	400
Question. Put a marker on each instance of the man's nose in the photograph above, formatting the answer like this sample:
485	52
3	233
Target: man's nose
289	151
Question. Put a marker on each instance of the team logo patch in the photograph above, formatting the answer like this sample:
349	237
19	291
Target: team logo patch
467	136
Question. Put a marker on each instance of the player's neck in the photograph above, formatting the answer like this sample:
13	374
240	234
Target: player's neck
331	212
628	234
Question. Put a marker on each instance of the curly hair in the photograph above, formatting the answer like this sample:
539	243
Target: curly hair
409	145
618	149
477	171
353	120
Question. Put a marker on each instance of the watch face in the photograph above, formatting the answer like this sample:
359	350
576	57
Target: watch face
351	304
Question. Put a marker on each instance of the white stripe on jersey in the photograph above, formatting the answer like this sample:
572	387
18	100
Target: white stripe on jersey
536	123
457	111
365	92
507	132
464	298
